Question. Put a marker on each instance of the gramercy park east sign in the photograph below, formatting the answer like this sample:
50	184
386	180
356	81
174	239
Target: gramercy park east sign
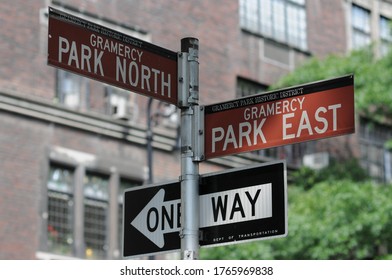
309	112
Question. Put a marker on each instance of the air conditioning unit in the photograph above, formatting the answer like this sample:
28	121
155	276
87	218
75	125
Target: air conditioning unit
316	161
121	104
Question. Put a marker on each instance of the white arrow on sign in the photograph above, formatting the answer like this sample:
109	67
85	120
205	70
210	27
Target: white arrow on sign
239	205
158	217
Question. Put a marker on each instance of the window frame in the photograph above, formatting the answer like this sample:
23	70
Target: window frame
68	195
361	29
72	85
114	170
267	23
96	204
246	87
385	26
373	152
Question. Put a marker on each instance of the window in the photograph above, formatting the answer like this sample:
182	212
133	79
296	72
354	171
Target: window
375	157
385	35
361	27
72	90
365	29
281	20
84	211
246	87
96	203
60	204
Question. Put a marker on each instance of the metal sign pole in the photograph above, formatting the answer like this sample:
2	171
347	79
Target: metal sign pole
188	84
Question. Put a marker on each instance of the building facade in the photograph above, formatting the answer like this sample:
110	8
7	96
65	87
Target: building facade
69	146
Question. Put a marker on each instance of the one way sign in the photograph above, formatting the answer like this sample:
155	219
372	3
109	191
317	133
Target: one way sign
235	205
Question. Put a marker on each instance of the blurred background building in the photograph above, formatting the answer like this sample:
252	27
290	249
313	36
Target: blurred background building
69	146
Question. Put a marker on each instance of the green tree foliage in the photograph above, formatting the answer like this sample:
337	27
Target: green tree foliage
373	79
336	170
333	220
339	220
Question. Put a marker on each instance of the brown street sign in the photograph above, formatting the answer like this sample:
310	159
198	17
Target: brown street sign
302	113
103	54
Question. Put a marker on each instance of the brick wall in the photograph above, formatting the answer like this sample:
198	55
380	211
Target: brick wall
23	58
225	53
326	27
21	151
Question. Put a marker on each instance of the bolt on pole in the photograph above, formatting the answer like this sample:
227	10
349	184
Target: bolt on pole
188	85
